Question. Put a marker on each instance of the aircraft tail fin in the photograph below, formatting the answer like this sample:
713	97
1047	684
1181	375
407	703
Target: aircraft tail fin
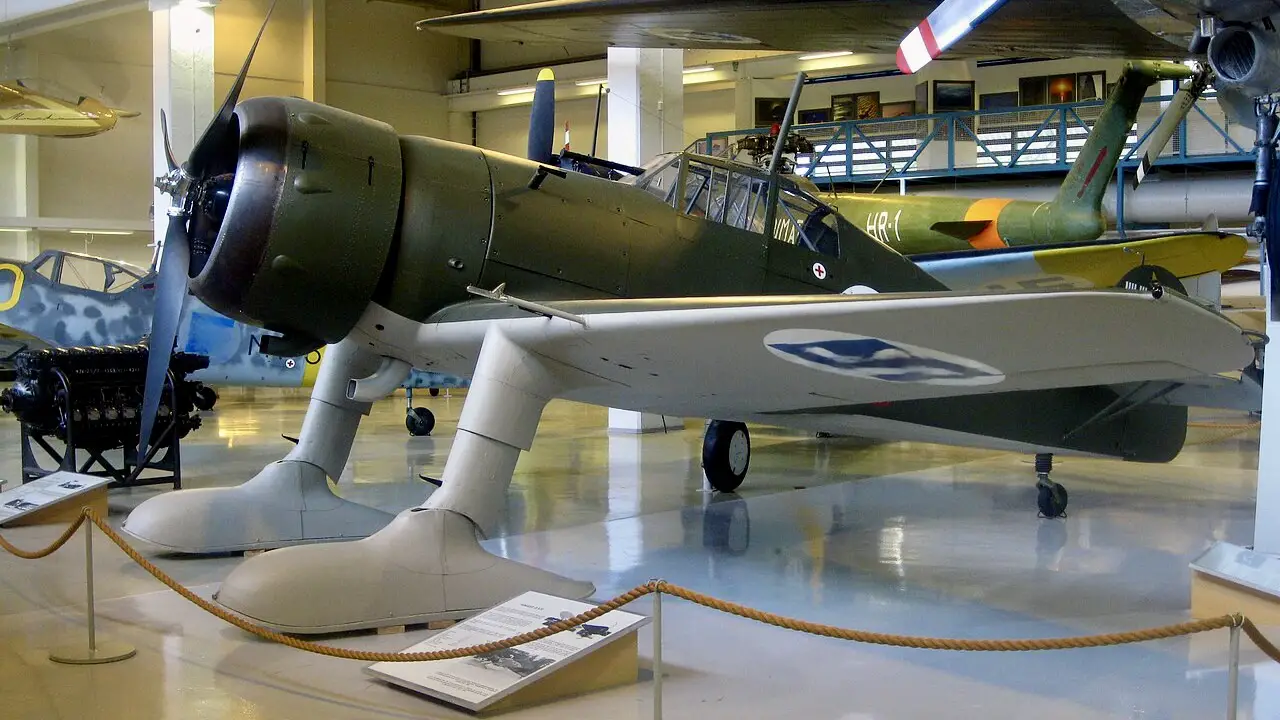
1087	181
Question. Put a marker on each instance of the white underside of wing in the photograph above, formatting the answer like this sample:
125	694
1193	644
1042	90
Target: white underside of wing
746	360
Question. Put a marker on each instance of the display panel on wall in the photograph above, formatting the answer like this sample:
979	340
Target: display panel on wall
898	109
770	111
855	106
1091	86
952	95
1065	88
815	115
998	101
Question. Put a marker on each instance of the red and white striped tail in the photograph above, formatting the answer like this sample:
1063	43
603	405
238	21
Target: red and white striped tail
917	49
945	26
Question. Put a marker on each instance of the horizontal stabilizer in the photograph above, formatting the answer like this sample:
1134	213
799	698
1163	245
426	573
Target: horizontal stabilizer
960	229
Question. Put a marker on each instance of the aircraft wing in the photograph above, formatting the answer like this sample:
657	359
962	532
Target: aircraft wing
738	357
1044	28
1098	264
14	341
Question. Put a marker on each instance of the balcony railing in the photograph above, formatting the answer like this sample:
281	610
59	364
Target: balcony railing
1043	138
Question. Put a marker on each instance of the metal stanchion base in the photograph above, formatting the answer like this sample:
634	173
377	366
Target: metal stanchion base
107	651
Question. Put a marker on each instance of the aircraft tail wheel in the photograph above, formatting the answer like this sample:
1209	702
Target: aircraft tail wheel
726	454
1052	499
419	421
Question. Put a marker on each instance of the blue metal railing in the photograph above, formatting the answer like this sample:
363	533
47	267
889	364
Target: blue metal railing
1042	138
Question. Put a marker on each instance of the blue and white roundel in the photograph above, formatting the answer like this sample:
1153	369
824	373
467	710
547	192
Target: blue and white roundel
876	359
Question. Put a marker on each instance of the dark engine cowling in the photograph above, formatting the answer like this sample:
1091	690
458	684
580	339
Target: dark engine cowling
293	228
94	393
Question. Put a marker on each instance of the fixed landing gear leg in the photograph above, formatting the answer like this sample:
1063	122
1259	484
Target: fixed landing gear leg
428	563
289	501
1052	497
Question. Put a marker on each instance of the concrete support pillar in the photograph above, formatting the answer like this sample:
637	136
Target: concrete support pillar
646	103
182	84
19	174
19	193
646	118
314	70
1266	530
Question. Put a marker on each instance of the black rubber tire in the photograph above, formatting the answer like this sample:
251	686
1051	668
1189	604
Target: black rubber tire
419	422
1052	500
433	392
722	462
206	397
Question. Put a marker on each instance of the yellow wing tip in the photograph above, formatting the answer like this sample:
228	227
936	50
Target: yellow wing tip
545	74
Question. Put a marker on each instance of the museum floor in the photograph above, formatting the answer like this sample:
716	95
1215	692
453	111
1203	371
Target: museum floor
902	538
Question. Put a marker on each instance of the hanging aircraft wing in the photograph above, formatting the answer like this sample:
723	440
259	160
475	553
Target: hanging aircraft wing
1044	28
746	356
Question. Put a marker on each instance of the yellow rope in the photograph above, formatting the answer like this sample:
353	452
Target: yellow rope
1225	431
909	641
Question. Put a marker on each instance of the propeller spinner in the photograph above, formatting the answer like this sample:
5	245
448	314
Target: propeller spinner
195	187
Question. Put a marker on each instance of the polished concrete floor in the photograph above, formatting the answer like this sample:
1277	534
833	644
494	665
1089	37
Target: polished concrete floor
901	538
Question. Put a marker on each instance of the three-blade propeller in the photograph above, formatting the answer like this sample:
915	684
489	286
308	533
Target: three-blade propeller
1181	104
945	26
185	184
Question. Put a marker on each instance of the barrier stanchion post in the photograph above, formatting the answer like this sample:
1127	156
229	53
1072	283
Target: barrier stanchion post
1233	672
657	653
96	653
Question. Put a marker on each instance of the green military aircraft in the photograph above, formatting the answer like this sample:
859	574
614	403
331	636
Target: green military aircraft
705	288
917	224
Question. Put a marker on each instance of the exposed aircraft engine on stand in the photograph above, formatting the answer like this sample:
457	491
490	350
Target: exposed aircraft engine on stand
89	398
760	148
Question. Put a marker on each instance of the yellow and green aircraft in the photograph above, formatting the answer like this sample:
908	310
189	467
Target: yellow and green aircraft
916	224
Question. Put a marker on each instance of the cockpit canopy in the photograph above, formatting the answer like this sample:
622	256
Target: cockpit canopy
85	271
738	195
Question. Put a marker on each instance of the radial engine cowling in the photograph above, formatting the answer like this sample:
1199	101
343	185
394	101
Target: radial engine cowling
304	233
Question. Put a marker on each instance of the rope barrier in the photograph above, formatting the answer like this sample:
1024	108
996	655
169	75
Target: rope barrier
663	587
1225	431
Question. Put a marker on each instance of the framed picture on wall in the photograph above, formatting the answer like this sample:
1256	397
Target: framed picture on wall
904	108
1062	88
998	101
1033	91
855	106
952	95
815	115
770	111
1091	86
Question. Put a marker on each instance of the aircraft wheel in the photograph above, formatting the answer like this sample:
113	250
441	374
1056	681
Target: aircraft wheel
419	422
434	392
726	454
1052	500
206	397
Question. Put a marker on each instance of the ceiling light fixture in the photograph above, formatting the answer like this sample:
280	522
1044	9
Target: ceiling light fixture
698	69
515	91
100	232
597	81
2	229
825	55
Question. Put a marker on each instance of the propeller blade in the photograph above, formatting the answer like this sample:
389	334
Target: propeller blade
168	149
945	26
171	291
542	118
207	146
1182	102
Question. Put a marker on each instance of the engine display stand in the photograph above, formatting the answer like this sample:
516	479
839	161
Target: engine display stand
128	473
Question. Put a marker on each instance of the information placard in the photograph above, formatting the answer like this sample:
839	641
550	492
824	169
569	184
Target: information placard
476	683
43	492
